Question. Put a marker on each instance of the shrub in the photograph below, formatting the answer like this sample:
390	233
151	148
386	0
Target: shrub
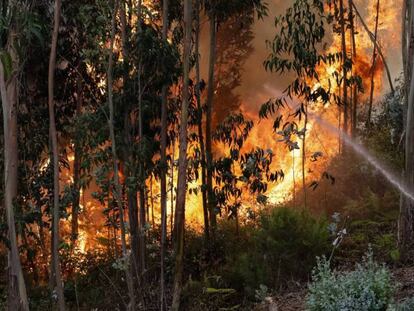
283	247
367	288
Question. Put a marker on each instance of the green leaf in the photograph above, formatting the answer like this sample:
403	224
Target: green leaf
211	290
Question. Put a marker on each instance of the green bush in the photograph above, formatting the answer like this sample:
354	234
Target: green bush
367	288
283	247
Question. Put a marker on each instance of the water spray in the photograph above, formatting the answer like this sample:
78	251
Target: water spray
362	151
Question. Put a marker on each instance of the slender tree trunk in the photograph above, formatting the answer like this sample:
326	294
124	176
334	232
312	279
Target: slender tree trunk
147	204
200	125
133	226
17	296
172	191
374	65
293	178
142	225
117	191
151	198
304	157
344	65
339	128
406	221
407	53
42	240
210	100
163	164
182	165
406	224
77	163
404	43
375	42
354	101
128	159
141	173
55	152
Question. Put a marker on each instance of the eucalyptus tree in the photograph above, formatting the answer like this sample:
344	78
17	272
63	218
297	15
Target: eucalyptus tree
82	120
237	172
345	63
34	204
298	49
406	221
374	64
232	133
354	91
55	265
182	161
117	186
200	85
144	78
163	164
209	105
9	89
376	44
129	170
218	11
80	95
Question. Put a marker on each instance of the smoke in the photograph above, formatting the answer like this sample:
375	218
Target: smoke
258	85
362	151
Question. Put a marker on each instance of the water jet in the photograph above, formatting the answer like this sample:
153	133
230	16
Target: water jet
362	151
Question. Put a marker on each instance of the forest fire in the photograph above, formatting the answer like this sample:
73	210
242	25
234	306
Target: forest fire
201	144
318	139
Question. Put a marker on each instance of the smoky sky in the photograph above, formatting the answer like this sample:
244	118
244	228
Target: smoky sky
258	85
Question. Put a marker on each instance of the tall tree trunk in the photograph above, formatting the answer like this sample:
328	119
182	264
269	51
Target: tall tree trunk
354	94
293	178
406	221
200	124
172	190
182	162
406	224
133	226
117	191
53	137
77	163
373	66
404	35
344	65
17	296
304	157
128	159
147	204
375	42
151	198
141	173
340	140
163	164
407	53
210	100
